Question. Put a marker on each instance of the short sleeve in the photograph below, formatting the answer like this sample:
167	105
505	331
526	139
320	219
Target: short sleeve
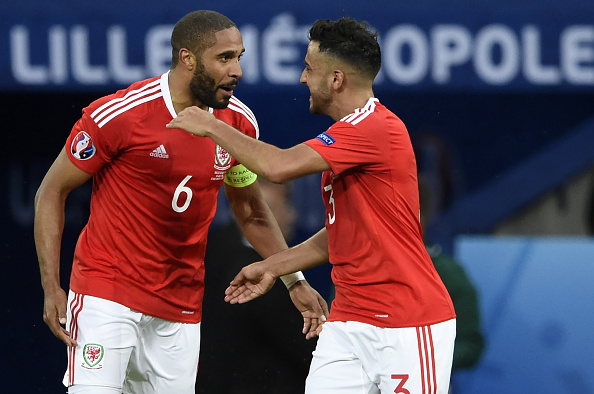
90	147
345	146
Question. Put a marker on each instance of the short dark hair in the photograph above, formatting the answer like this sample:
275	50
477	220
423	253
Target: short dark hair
196	32
350	41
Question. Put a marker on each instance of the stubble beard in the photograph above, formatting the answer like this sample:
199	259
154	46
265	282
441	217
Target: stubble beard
320	101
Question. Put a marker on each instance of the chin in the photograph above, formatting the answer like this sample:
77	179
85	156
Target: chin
221	104
315	110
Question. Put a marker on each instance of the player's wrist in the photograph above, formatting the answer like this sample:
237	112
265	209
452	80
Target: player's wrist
218	130
290	279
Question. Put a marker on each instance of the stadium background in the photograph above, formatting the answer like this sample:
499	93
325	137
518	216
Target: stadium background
499	101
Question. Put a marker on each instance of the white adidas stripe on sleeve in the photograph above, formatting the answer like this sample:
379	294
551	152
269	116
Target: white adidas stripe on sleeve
236	105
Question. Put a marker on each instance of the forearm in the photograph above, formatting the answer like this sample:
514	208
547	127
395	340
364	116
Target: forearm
255	219
308	254
267	240
254	154
264	235
275	164
49	225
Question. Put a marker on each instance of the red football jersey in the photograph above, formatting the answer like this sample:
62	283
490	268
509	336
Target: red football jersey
381	270
154	197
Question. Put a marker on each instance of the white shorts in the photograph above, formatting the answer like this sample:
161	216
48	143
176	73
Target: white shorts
128	351
358	358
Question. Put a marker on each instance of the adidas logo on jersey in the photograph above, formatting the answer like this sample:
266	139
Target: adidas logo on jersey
160	152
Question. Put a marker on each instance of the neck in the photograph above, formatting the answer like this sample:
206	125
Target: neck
347	101
181	97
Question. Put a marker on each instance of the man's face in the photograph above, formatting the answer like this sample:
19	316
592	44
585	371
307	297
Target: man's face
317	76
218	71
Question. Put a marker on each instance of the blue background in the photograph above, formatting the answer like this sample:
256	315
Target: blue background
536	302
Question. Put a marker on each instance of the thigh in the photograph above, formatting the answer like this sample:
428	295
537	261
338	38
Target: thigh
106	334
411	360
166	359
334	367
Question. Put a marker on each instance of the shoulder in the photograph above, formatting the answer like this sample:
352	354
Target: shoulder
374	122
125	102
362	121
240	116
360	114
371	113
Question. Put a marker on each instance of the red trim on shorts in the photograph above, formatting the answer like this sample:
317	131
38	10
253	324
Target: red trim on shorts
432	359
76	307
419	341
427	359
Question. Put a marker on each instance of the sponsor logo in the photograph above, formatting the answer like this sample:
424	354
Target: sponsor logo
82	146
222	162
160	152
92	355
326	138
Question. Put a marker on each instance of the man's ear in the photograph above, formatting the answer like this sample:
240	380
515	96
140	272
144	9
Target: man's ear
187	59
337	79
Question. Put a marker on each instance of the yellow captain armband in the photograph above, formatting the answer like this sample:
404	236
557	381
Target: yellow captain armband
239	176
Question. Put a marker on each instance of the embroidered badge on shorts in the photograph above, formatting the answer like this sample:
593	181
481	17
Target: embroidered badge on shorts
92	355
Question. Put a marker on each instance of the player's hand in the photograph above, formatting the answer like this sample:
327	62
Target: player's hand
312	306
54	315
251	282
193	120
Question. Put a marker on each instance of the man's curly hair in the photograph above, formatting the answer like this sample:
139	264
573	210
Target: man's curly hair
350	41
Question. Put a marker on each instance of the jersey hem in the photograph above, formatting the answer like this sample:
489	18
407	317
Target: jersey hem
112	291
394	325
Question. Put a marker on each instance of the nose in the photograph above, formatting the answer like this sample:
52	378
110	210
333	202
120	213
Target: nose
236	71
303	78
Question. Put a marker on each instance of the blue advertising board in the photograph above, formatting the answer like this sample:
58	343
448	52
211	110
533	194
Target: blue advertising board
427	45
535	294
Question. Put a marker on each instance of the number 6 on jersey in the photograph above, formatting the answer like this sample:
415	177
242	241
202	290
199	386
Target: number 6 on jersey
181	188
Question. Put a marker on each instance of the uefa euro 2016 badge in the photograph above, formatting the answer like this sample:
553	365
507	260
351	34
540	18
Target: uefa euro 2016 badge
222	159
92	356
82	146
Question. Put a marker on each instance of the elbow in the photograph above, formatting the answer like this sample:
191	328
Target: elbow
277	177
47	195
278	174
38	198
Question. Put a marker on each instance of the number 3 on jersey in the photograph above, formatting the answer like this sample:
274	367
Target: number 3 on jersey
331	217
182	188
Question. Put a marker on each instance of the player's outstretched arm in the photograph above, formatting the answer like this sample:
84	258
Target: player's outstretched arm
258	225
256	279
289	164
